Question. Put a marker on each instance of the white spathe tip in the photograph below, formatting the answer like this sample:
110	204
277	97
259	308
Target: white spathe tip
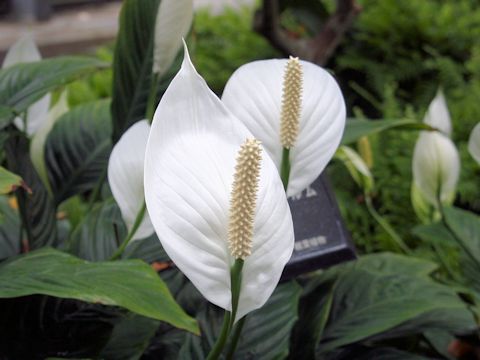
438	115
174	19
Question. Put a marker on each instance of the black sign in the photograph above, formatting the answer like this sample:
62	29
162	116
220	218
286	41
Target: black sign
321	239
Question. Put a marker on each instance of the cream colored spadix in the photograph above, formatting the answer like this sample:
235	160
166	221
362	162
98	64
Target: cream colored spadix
474	143
174	18
255	93
291	103
125	176
25	51
189	178
243	199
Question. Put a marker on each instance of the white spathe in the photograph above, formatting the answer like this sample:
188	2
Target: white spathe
438	115
436	167
125	176
25	51
174	18
189	167
254	95
474	143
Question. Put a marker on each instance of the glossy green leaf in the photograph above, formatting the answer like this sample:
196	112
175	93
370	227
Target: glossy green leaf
465	226
77	149
132	65
356	128
97	237
130	284
23	84
372	305
36	207
8	181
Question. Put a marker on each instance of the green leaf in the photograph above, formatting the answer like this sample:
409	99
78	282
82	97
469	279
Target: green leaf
132	65
130	338
95	239
36	207
266	333
77	149
130	284
356	128
372	305
9	230
466	229
23	84
9	181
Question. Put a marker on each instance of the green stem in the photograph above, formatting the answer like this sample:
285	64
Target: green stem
444	262
386	226
222	339
235	338
131	233
236	282
152	98
285	167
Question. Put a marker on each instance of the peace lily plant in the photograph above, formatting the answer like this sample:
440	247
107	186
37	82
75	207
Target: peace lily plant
215	199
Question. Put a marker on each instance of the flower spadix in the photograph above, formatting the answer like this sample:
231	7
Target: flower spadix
290	104
196	201
25	51
125	176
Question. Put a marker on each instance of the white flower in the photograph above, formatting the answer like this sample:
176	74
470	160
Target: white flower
25	51
438	116
436	167
174	18
125	176
474	143
189	170
254	94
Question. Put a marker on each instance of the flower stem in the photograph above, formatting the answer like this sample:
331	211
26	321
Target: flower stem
235	338
285	167
131	233
386	226
235	284
222	339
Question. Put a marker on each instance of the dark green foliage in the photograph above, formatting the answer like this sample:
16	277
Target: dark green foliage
37	209
132	64
77	149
